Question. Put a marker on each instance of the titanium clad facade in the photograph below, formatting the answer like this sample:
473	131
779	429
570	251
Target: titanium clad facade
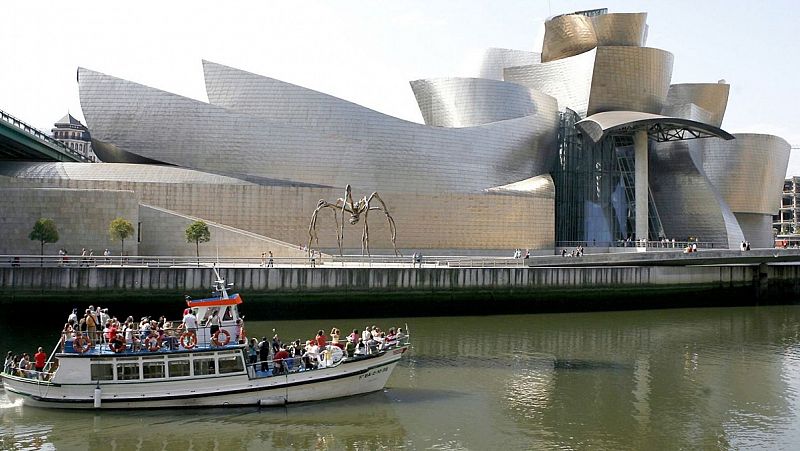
757	229
467	102
314	143
688	203
748	171
569	80
494	60
688	111
711	97
615	29
630	79
567	35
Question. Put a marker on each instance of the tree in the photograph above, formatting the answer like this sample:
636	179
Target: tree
198	233
120	229
44	231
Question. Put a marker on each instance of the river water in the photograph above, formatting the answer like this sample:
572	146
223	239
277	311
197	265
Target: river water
724	378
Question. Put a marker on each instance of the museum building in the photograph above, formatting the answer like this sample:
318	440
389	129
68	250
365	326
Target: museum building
586	142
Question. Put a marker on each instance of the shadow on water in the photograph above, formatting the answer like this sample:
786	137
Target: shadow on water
542	361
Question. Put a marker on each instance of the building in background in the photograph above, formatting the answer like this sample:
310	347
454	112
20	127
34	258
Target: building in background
74	135
786	224
588	142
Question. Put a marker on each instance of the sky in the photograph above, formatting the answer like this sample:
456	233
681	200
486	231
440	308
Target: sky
367	51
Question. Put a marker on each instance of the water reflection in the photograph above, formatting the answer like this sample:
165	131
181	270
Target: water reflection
694	379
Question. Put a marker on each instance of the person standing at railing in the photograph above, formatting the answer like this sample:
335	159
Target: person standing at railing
39	360
91	323
269	261
214	322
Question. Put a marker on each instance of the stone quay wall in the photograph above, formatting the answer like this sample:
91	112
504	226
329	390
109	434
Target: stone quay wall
334	292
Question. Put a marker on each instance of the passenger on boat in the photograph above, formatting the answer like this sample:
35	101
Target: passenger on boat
39	360
379	341
91	323
73	316
279	361
335	337
321	340
366	335
350	347
354	336
311	356
361	347
214	322
252	351
144	328
263	352
276	344
24	366
400	335
189	321
8	365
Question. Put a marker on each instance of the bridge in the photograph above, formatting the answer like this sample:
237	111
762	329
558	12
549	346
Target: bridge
20	141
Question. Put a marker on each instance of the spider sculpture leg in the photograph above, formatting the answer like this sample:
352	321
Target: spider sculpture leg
389	219
312	227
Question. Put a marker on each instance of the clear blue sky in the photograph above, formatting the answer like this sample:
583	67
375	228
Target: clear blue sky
367	51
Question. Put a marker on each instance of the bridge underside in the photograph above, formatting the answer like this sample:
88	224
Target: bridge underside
26	143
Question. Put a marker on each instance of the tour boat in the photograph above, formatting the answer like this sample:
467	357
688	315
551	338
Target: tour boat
195	369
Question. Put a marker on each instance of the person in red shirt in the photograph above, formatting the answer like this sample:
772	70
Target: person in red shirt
39	360
322	341
280	360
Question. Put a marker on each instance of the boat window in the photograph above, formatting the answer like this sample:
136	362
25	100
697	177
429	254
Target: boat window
153	370
178	368
204	366
127	371
232	364
102	372
228	315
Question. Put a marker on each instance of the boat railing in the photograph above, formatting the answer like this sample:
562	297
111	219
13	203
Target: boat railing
149	340
307	362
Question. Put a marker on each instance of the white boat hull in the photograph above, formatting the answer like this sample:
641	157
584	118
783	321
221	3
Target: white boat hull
346	379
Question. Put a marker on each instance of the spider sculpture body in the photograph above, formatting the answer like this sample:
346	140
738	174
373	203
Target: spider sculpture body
355	209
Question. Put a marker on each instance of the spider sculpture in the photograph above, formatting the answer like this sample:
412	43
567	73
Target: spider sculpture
356	209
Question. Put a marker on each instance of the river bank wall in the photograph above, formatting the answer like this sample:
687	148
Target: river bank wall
390	291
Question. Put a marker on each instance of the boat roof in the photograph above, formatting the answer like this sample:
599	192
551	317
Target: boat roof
215	302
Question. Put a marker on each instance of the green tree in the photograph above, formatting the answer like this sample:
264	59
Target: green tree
44	231
120	229
198	233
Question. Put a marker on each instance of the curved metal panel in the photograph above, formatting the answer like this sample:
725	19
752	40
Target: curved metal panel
688	111
599	125
628	29
748	171
116	172
757	229
494	60
467	102
712	97
541	186
287	132
567	35
630	79
688	204
569	80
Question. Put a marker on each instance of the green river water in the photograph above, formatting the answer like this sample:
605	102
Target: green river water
722	378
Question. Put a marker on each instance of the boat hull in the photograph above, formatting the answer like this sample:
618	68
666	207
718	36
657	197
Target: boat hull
347	379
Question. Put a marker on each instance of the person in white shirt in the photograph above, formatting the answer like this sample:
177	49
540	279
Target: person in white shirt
190	321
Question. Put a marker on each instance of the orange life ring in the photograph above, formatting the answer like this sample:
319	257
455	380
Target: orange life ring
120	344
188	340
215	338
152	343
81	344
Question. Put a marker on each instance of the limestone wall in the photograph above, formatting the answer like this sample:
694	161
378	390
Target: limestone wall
163	233
424	221
82	217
